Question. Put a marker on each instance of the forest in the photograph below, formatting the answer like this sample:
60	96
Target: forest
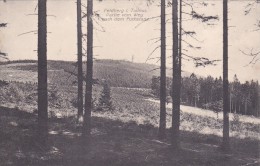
92	110
206	93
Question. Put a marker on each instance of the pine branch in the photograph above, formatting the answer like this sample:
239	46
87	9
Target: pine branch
152	53
3	54
84	15
31	15
190	45
254	56
202	17
34	31
201	61
153	39
35	7
191	34
3	25
257	25
102	28
155	69
249	7
145	20
153	58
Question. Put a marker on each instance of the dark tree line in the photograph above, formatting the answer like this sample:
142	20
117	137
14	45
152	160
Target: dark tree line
245	97
207	93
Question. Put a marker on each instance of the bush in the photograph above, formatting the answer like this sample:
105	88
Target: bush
74	102
214	106
235	123
12	93
3	83
59	99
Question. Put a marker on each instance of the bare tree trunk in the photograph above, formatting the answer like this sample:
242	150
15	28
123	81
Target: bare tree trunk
175	79
230	103
225	78
89	75
258	105
180	49
162	125
80	73
42	74
245	107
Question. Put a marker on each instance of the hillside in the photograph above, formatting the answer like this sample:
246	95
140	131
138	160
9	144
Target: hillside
126	135
118	72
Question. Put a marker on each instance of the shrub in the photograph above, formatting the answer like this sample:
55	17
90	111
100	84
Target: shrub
235	123
59	99
12	93
3	83
214	106
74	102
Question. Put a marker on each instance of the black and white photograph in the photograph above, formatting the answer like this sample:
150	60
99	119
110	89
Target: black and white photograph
129	83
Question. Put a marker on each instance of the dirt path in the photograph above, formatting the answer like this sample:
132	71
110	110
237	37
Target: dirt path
209	113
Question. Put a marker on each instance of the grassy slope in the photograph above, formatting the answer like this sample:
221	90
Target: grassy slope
124	136
119	73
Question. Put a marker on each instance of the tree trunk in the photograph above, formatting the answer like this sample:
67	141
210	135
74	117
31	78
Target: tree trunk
245	107
180	51
80	72
195	101
42	74
175	79
89	75
230	103
235	107
162	125
225	78
258	106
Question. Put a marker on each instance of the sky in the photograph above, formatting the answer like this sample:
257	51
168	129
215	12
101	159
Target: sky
132	38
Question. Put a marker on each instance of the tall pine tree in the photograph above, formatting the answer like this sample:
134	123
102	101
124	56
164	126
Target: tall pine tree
89	75
80	72
42	73
226	103
105	102
162	124
175	79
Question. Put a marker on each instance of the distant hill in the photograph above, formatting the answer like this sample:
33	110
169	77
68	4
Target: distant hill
118	72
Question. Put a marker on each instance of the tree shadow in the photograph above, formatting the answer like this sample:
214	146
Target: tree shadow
114	143
15	112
